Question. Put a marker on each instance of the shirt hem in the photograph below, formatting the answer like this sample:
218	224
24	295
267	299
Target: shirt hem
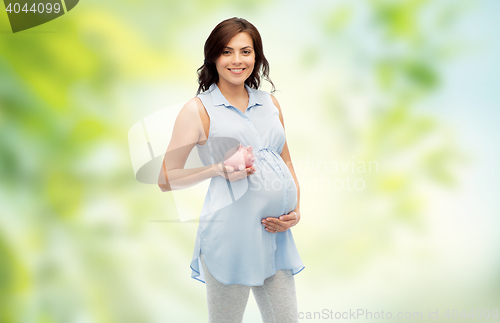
302	268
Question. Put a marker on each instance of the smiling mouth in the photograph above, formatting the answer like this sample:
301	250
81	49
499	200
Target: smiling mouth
236	71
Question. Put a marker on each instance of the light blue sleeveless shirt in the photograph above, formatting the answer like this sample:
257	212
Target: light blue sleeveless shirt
235	245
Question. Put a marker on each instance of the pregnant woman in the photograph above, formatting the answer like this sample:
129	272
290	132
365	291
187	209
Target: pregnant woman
244	239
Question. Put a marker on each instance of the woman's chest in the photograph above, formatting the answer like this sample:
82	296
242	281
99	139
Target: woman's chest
260	123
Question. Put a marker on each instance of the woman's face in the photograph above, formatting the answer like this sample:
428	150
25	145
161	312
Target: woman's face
236	62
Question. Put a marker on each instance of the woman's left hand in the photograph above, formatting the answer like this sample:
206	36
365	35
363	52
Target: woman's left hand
284	222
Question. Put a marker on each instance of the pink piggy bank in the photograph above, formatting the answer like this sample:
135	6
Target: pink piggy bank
240	158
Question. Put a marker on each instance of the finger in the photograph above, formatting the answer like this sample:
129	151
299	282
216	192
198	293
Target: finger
280	225
228	172
290	216
274	225
279	228
273	220
268	225
272	229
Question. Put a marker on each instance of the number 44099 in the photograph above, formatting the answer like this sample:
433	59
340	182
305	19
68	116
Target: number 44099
477	314
40	8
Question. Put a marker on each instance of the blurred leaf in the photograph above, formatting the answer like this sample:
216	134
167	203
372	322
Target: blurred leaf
437	163
337	19
64	193
385	74
409	208
394	182
400	18
309	57
421	74
87	129
14	281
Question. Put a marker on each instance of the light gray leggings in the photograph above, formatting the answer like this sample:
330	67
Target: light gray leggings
276	299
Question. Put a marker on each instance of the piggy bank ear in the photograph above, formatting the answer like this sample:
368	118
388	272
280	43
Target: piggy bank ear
250	148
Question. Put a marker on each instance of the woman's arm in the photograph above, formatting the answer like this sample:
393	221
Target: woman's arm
185	135
285	155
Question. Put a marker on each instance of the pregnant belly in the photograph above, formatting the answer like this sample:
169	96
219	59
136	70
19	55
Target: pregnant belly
275	192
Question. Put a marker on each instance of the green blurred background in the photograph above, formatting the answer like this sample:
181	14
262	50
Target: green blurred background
410	85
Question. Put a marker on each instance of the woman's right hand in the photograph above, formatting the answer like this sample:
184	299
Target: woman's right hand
229	173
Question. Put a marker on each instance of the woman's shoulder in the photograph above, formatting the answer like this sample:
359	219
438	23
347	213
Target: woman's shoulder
208	90
270	99
195	107
192	109
266	96
192	105
263	95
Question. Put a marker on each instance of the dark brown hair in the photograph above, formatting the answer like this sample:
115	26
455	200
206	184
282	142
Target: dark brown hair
215	44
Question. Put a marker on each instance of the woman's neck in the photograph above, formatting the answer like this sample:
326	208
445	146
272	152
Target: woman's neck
231	91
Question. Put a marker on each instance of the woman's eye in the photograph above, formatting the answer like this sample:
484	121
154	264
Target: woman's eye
228	52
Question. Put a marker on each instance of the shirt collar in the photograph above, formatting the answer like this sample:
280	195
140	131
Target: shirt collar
219	99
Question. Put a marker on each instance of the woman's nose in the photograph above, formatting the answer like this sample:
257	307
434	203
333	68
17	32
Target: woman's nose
236	58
